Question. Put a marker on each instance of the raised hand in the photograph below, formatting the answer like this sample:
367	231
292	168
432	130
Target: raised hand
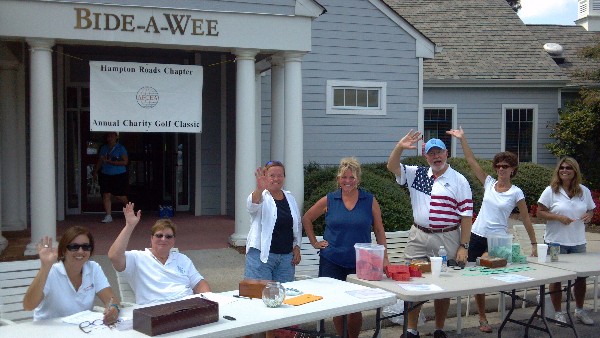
458	133
48	254
261	179
410	139
131	218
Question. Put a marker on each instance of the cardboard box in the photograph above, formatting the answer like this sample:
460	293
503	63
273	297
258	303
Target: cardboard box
252	288
174	316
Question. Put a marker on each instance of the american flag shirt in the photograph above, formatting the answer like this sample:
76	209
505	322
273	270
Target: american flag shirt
437	202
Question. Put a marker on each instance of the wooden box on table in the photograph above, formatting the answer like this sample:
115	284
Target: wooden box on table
174	316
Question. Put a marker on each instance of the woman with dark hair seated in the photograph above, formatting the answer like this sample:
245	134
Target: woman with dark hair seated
68	281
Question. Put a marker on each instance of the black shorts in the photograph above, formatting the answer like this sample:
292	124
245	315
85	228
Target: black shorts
477	246
114	184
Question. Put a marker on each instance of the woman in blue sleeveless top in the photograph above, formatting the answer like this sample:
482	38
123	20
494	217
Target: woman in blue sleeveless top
350	215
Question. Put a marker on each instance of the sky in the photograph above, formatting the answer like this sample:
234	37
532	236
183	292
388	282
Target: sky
557	12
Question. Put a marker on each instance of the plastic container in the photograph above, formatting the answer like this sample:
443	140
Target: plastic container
442	253
369	261
501	246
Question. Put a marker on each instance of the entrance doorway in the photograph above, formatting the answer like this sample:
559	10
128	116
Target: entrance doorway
158	164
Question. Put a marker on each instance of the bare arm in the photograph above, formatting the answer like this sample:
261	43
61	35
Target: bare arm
466	222
528	226
545	213
35	293
379	230
407	142
111	305
116	253
310	216
469	156
202	286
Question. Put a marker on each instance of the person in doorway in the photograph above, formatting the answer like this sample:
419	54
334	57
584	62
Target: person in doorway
442	210
350	215
111	173
68	282
567	205
157	273
499	200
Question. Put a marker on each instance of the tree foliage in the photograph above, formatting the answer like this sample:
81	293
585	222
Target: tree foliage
577	133
514	4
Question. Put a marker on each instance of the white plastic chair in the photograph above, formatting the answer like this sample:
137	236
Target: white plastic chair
15	278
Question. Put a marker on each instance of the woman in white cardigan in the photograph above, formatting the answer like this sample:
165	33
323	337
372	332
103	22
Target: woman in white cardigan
273	244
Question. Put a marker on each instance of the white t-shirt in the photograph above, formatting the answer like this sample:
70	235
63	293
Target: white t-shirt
152	281
60	297
496	207
559	203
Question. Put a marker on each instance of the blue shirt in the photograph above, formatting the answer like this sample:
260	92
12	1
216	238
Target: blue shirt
344	228
115	153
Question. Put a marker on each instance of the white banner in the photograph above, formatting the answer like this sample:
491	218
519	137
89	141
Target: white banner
145	97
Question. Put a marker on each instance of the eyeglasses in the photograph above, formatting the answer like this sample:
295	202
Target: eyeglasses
88	326
75	247
160	236
273	163
503	166
565	167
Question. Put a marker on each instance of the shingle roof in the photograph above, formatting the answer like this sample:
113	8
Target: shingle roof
572	39
481	40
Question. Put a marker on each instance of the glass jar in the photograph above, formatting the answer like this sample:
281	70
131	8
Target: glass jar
273	294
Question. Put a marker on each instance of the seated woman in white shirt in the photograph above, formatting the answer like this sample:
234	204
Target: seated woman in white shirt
68	281
155	274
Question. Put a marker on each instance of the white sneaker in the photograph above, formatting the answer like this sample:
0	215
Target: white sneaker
107	219
584	317
561	318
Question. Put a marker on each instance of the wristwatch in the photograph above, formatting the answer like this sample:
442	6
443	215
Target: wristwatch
465	245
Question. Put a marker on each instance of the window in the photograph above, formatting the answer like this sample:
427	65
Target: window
519	129
356	97
437	120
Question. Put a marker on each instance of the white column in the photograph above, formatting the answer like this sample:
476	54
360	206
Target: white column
258	116
42	163
294	133
9	169
245	148
277	107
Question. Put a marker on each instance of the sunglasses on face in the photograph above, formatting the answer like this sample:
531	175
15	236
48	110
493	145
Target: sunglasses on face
160	236
565	167
75	247
503	166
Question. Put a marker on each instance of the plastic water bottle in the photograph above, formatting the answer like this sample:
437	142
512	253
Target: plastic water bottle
442	253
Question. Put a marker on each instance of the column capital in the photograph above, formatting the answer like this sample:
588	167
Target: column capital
41	44
293	56
245	54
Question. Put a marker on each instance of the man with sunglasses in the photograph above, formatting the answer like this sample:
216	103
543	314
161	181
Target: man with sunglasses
442	210
155	274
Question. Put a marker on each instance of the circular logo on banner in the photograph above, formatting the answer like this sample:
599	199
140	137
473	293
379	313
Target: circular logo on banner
147	97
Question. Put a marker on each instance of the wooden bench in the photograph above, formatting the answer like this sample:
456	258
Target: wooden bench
15	278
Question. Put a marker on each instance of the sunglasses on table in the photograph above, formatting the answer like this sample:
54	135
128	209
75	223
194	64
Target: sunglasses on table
75	247
160	236
503	166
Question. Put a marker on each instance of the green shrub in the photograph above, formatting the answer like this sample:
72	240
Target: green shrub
394	200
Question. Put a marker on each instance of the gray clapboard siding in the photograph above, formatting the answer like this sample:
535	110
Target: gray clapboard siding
479	111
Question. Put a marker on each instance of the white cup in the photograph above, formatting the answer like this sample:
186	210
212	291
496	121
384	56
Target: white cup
436	266
542	250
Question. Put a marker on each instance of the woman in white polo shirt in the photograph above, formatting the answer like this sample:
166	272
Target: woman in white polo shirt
69	285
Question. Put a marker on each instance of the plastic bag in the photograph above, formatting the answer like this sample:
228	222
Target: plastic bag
398	309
